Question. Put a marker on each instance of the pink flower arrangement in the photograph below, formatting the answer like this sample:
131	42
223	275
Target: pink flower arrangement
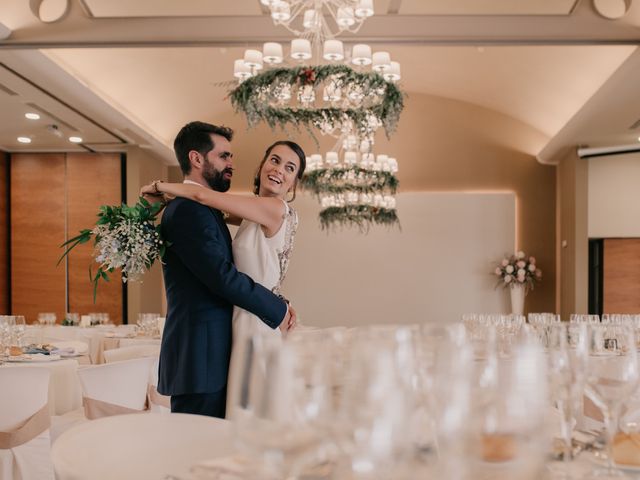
518	269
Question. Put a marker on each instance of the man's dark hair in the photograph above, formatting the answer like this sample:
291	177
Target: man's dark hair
197	136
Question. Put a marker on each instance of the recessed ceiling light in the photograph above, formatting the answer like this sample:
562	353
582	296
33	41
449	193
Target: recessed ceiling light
639	139
32	116
75	139
24	139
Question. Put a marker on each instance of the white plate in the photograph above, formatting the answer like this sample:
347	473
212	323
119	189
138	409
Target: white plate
626	468
33	358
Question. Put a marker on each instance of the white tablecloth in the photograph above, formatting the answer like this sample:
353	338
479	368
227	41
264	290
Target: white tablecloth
93	337
65	393
141	446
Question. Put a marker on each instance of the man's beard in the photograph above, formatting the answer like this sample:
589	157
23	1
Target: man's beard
216	179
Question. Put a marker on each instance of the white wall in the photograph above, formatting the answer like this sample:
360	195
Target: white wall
438	267
614	196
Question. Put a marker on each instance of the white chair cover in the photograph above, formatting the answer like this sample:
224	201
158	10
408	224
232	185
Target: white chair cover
129	353
24	394
119	384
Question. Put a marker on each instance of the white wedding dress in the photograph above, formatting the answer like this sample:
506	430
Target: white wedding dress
266	261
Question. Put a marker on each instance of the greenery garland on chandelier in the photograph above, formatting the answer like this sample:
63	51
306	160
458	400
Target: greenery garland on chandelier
361	215
350	194
353	179
382	100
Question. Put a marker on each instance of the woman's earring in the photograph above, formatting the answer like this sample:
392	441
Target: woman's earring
293	197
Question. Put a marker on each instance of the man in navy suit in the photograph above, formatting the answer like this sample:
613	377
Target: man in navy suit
202	283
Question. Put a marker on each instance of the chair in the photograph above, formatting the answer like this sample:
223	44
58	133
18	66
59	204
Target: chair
25	447
115	388
129	353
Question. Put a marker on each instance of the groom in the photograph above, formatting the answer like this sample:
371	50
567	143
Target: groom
202	283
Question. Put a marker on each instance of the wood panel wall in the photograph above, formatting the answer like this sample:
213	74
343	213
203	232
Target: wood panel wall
37	230
621	275
4	234
92	180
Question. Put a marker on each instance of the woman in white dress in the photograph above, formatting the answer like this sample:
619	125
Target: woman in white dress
264	241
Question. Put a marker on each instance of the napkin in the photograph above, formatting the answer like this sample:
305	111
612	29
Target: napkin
36	350
626	449
223	468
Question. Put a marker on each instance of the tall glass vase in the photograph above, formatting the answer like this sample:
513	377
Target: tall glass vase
517	292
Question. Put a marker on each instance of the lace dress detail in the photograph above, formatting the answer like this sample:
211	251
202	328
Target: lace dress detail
291	225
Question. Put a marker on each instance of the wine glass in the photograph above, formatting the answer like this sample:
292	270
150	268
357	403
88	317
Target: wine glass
6	328
373	421
19	329
567	353
612	377
511	438
283	404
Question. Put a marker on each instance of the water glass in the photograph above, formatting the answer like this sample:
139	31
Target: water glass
612	377
47	318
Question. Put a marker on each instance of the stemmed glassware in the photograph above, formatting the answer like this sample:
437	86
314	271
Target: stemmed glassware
283	405
7	323
511	433
47	318
567	355
612	377
19	329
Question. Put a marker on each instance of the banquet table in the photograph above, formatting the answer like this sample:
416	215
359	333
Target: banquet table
141	446
65	393
166	446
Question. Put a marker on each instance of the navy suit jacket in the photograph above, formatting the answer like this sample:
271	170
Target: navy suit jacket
202	286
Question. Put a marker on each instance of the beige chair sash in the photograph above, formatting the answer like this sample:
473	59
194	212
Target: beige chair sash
156	398
34	426
97	408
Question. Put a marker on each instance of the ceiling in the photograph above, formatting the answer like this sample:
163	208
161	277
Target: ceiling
119	73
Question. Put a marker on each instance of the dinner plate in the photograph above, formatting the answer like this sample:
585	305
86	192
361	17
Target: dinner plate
33	358
602	462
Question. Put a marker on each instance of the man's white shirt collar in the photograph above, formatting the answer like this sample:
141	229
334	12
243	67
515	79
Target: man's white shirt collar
191	182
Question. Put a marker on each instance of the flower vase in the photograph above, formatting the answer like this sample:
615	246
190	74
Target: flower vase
517	299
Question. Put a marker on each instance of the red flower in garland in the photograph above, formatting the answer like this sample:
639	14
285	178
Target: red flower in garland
308	76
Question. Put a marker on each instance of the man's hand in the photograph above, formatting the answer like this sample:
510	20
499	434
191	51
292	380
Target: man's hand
290	321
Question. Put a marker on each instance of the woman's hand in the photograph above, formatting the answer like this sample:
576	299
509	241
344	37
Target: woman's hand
151	190
153	194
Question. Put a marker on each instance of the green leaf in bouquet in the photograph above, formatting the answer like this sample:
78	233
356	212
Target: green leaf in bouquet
83	237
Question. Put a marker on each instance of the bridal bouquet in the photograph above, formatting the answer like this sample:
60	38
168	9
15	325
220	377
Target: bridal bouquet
518	270
124	237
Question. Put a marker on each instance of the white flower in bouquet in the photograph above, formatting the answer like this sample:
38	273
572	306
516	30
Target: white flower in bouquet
518	269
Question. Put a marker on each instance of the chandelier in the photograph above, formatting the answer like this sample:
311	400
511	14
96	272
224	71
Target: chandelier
348	95
347	15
